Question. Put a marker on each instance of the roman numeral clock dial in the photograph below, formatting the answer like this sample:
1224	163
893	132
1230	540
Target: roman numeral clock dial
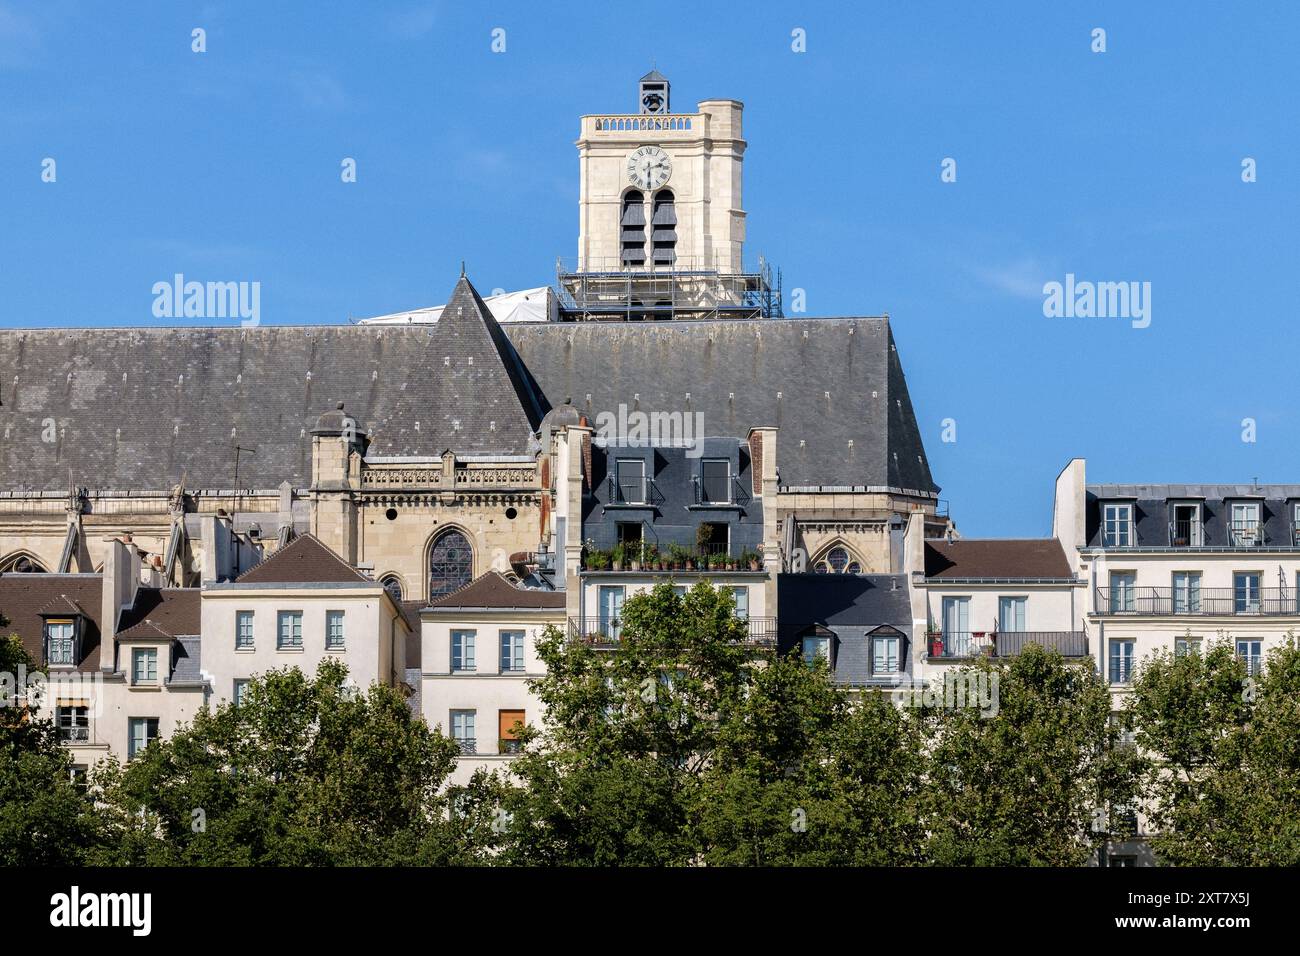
648	167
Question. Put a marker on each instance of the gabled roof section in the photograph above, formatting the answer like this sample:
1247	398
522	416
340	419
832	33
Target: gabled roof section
305	560
491	591
482	400
996	558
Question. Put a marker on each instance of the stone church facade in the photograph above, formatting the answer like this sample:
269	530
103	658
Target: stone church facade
425	452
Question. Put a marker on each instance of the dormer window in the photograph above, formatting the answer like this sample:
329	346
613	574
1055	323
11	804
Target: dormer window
1117	525
715	481
630	485
1185	527
1245	529
144	666
60	642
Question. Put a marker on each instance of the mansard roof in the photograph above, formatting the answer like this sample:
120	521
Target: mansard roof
138	408
1153	513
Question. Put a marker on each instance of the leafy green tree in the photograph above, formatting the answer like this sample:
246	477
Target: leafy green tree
1023	787
1224	789
805	775
617	774
45	820
305	772
684	744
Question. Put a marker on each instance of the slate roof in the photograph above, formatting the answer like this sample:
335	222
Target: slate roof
137	408
305	560
1153	511
492	591
24	596
162	612
1002	558
852	607
745	373
187	664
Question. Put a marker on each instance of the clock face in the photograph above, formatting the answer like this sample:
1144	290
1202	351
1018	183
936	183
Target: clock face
648	167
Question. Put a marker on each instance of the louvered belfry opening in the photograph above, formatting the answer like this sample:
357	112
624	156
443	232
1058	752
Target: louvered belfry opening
632	229
663	237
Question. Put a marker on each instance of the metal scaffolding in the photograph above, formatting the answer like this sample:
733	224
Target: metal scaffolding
666	292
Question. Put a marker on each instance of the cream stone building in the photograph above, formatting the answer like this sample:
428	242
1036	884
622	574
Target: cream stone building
299	607
121	655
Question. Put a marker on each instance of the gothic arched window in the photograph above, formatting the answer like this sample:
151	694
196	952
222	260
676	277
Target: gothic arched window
21	563
663	225
393	585
837	559
451	563
631	229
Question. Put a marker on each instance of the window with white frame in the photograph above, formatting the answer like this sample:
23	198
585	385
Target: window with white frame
334	631
1187	592
1011	613
816	646
1245	592
1186	645
956	626
512	652
144	665
243	630
1185	528
886	654
73	723
1252	653
141	732
1246	529
240	691
462	651
741	595
289	631
1123	592
59	644
1121	661
1117	524
463	732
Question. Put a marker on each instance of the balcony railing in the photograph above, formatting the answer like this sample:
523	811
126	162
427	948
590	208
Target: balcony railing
633	490
605	632
720	492
966	644
1185	533
1164	602
74	735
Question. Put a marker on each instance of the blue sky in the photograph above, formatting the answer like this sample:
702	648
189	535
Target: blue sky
1115	166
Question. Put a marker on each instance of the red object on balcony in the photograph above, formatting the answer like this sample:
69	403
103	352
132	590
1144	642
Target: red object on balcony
936	647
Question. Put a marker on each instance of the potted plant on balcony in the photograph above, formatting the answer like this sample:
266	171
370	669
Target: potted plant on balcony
752	560
597	560
935	638
617	556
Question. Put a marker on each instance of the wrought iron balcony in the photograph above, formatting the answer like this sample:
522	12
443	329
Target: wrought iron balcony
606	632
633	491
1168	602
960	645
74	735
728	493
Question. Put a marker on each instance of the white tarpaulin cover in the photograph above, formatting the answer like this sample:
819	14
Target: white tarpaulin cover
528	305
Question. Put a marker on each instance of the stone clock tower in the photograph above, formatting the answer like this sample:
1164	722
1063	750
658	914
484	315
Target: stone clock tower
661	191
